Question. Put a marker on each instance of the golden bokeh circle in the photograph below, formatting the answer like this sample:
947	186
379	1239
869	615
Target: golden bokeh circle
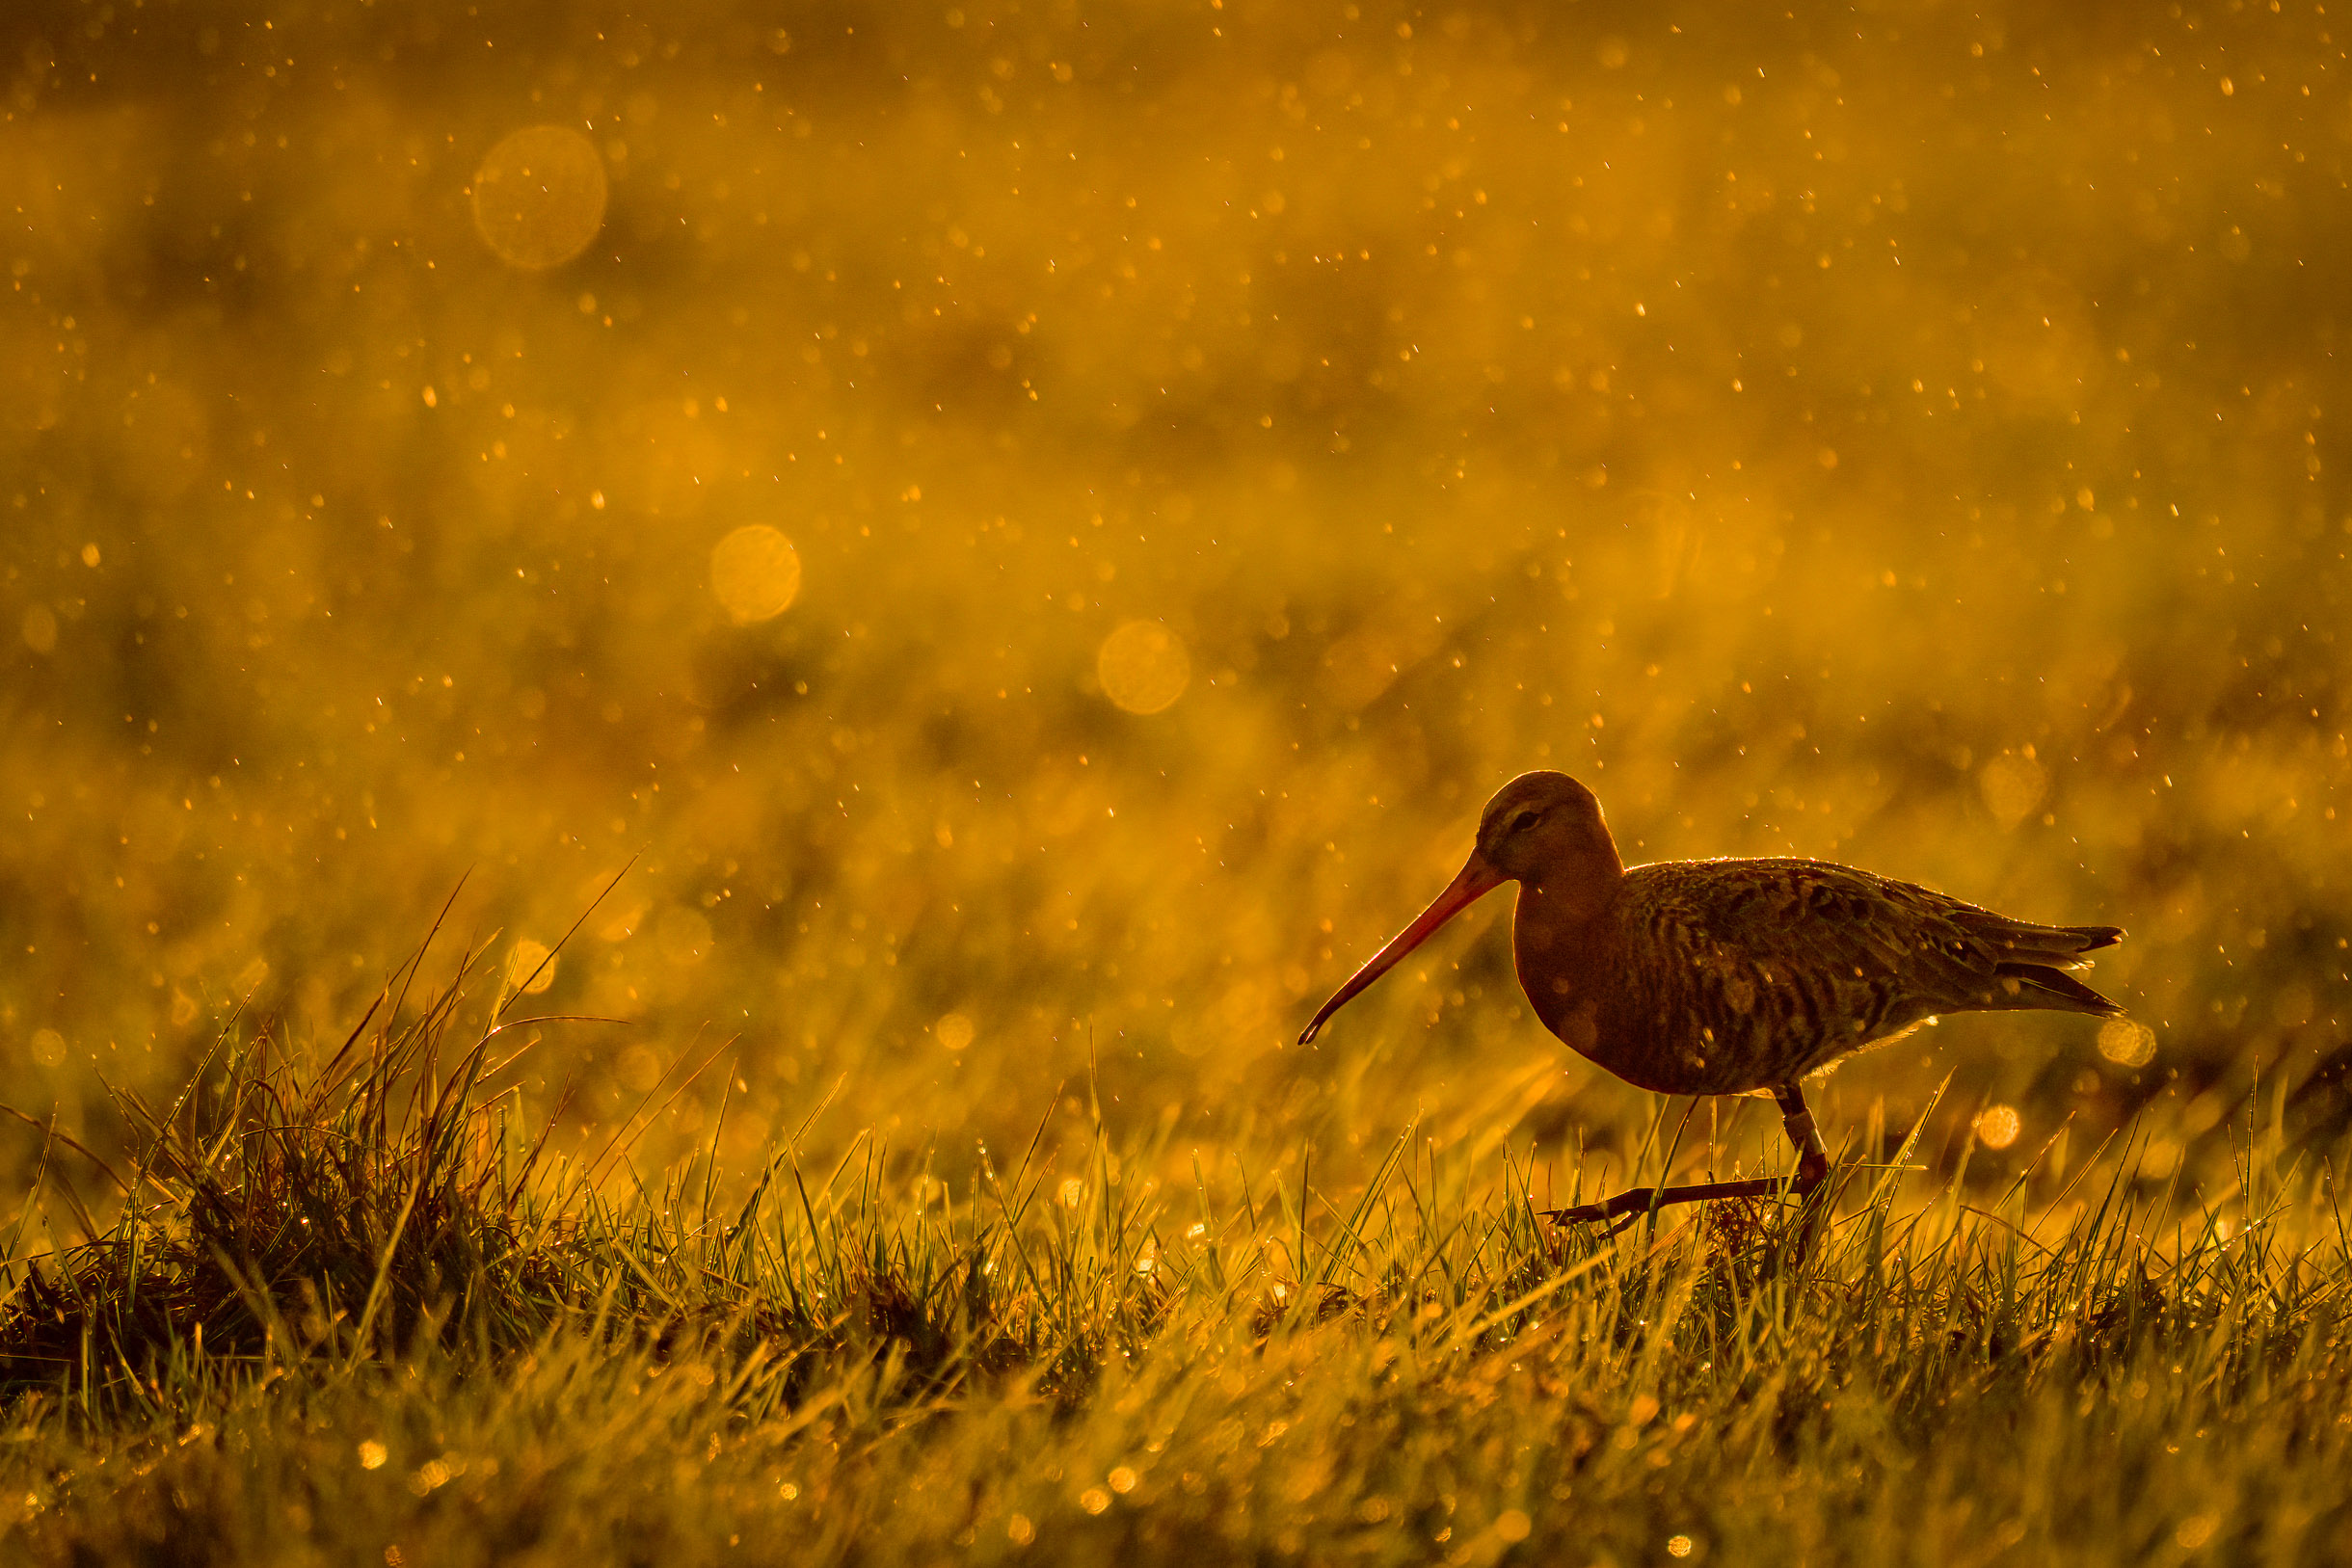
538	197
1998	1126
755	572
2126	1043
1143	667
2012	786
530	968
954	1030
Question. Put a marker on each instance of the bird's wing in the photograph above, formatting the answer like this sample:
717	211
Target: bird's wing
1782	965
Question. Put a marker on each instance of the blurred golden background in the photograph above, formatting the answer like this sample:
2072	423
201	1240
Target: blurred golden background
1038	525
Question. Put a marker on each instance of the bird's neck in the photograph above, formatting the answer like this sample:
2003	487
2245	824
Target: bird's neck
1564	903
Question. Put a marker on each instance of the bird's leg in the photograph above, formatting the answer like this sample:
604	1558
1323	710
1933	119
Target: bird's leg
1812	1159
1812	1162
1812	1169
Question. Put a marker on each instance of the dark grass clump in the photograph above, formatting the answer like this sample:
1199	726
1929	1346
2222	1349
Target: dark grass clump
388	1203
370	1203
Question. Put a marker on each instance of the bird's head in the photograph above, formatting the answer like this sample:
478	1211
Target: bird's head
1543	830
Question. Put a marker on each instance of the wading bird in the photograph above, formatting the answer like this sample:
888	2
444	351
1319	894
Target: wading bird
1731	976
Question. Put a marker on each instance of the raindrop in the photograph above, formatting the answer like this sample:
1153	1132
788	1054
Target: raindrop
1143	667
1997	1127
538	197
530	968
755	572
2012	786
2125	1042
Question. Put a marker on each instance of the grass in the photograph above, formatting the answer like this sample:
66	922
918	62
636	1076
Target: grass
352	1309
1216	444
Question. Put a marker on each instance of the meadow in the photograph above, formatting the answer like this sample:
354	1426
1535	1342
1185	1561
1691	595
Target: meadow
906	589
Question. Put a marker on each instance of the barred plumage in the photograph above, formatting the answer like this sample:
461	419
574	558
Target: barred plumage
1732	977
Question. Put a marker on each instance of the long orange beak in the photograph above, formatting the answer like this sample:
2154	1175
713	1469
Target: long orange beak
1478	879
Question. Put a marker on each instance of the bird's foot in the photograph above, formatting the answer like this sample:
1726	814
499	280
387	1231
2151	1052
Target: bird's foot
1636	1202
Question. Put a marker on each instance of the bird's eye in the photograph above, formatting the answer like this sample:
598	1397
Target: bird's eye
1524	821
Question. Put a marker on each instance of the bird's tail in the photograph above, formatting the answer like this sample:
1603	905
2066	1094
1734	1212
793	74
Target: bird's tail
2028	961
2025	943
2039	986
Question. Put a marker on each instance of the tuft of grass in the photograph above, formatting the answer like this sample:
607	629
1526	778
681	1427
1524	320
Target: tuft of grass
357	1307
360	1205
388	1202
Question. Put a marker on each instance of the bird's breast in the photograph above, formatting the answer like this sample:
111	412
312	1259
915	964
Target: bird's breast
1551	970
1563	971
1603	1003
